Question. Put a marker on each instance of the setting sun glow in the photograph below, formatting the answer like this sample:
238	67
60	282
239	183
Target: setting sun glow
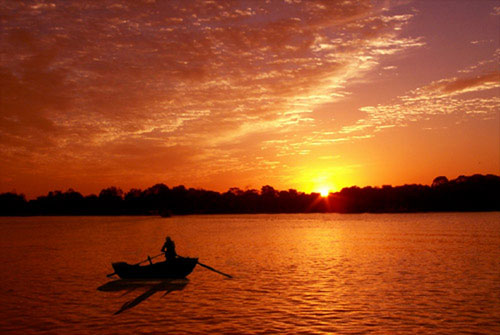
324	191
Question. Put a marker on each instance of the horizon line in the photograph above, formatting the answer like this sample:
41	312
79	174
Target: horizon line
70	189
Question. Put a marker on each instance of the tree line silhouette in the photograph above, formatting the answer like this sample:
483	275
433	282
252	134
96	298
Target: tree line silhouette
472	193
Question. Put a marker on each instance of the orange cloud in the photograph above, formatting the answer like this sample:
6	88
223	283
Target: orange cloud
455	85
441	97
164	87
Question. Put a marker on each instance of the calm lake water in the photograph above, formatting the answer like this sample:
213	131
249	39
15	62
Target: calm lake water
293	274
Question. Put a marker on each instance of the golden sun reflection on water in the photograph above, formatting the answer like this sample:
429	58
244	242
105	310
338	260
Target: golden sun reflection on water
305	273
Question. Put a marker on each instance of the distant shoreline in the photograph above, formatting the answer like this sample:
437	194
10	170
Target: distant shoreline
249	214
476	193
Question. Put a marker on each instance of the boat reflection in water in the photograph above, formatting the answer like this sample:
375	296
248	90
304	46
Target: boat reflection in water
151	286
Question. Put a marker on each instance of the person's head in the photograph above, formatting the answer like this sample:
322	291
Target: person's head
168	238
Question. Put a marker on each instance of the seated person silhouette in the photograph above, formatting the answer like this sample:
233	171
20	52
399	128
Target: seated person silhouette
169	249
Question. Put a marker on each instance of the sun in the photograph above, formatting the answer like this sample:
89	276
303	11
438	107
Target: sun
324	191
319	182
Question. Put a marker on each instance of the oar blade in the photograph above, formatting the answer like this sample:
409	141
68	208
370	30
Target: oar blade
214	270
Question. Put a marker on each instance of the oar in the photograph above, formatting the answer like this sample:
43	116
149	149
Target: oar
212	269
146	260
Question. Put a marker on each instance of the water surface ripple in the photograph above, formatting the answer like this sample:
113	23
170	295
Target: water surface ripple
293	274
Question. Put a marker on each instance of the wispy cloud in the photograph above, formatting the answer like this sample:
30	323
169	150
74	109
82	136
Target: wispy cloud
455	86
194	74
163	87
447	96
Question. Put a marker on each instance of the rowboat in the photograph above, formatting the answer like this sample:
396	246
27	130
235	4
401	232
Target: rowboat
130	285
179	267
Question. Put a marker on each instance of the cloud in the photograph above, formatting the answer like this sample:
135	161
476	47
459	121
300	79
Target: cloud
175	74
455	86
442	97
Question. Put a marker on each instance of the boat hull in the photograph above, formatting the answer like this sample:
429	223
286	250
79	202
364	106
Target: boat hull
175	269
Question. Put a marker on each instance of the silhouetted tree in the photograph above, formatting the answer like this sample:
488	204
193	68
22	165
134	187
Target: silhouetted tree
12	204
111	201
473	193
438	181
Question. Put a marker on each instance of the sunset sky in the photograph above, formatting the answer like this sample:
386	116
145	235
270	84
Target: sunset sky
297	94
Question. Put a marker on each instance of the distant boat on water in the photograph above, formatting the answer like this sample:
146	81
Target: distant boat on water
165	213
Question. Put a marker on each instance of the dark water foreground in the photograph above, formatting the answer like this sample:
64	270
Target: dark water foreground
310	274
